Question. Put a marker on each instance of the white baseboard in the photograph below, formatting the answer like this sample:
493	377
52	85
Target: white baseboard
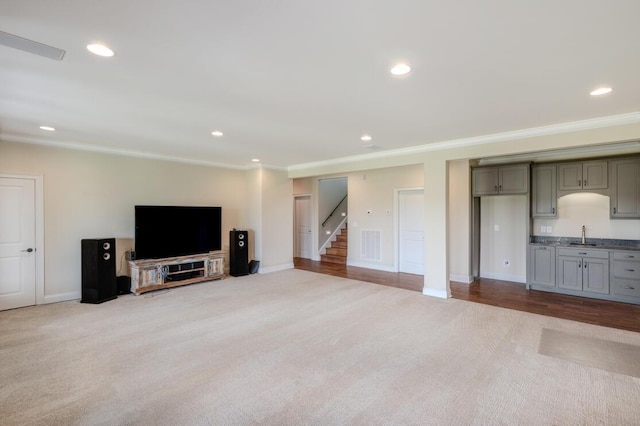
275	268
442	294
62	297
385	268
505	277
467	279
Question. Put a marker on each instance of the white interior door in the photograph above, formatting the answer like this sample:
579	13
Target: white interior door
411	231
303	227
17	243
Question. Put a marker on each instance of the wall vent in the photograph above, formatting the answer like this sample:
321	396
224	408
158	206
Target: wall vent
370	244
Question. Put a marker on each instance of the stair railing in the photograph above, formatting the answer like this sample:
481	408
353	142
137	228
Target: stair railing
334	210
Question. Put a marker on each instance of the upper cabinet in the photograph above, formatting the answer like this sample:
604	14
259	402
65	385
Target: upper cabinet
543	191
502	180
583	176
625	188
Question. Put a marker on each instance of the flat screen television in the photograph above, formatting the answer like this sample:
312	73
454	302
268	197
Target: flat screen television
168	231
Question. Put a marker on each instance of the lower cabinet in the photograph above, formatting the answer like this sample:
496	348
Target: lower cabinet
625	274
542	266
583	270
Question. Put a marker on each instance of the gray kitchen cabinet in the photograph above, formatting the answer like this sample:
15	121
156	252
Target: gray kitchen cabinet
500	180
583	176
583	270
625	188
625	273
542	265
544	196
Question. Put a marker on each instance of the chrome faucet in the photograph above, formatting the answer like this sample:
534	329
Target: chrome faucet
583	235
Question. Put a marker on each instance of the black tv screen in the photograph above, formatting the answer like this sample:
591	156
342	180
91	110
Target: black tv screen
168	231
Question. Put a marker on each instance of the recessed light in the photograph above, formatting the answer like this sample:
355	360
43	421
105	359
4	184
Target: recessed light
217	133
100	49
400	69
255	160
365	138
48	128
601	91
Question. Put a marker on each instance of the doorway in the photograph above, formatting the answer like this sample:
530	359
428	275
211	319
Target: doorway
303	234
411	231
21	263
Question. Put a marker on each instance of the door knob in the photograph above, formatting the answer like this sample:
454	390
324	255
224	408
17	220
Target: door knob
29	250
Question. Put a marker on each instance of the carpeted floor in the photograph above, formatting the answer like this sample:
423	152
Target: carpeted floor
296	347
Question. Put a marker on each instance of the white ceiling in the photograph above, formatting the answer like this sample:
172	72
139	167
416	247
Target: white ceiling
296	81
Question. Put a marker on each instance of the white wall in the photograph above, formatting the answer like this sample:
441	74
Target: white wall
459	232
277	221
91	195
592	211
503	236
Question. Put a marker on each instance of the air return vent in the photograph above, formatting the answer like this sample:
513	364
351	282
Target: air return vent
31	46
370	244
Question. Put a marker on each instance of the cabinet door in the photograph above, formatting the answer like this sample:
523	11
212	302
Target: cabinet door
543	266
569	176
570	272
625	188
513	179
594	175
595	275
544	194
485	181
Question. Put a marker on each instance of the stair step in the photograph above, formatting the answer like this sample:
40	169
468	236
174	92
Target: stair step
337	251
340	244
333	259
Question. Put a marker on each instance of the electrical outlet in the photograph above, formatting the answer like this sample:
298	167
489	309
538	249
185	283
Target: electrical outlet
496	227
543	229
506	263
549	229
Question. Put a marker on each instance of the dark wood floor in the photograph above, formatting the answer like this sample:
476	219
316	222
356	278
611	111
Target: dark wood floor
499	293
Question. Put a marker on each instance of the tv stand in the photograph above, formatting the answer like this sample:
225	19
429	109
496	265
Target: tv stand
156	274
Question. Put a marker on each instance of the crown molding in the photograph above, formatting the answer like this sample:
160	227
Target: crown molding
116	151
574	126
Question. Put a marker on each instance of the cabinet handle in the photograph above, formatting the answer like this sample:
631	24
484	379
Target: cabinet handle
579	264
630	257
553	210
582	253
579	182
585	264
614	210
584	182
630	270
628	287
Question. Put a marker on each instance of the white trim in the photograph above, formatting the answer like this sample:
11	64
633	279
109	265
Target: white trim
442	294
466	279
505	277
276	268
367	265
295	222
135	154
574	126
39	224
62	297
334	234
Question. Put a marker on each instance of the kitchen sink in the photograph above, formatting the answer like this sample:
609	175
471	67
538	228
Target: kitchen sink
583	244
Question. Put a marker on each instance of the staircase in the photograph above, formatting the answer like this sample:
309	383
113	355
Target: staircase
336	251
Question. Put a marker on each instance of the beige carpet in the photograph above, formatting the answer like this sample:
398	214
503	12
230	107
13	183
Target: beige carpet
295	347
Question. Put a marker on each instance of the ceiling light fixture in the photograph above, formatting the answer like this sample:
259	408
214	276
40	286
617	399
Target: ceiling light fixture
400	69
48	128
255	160
365	138
217	133
100	49
601	91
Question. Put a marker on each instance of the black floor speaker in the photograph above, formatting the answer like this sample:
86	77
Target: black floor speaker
238	253
99	270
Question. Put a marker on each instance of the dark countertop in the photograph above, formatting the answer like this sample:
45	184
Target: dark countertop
600	243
